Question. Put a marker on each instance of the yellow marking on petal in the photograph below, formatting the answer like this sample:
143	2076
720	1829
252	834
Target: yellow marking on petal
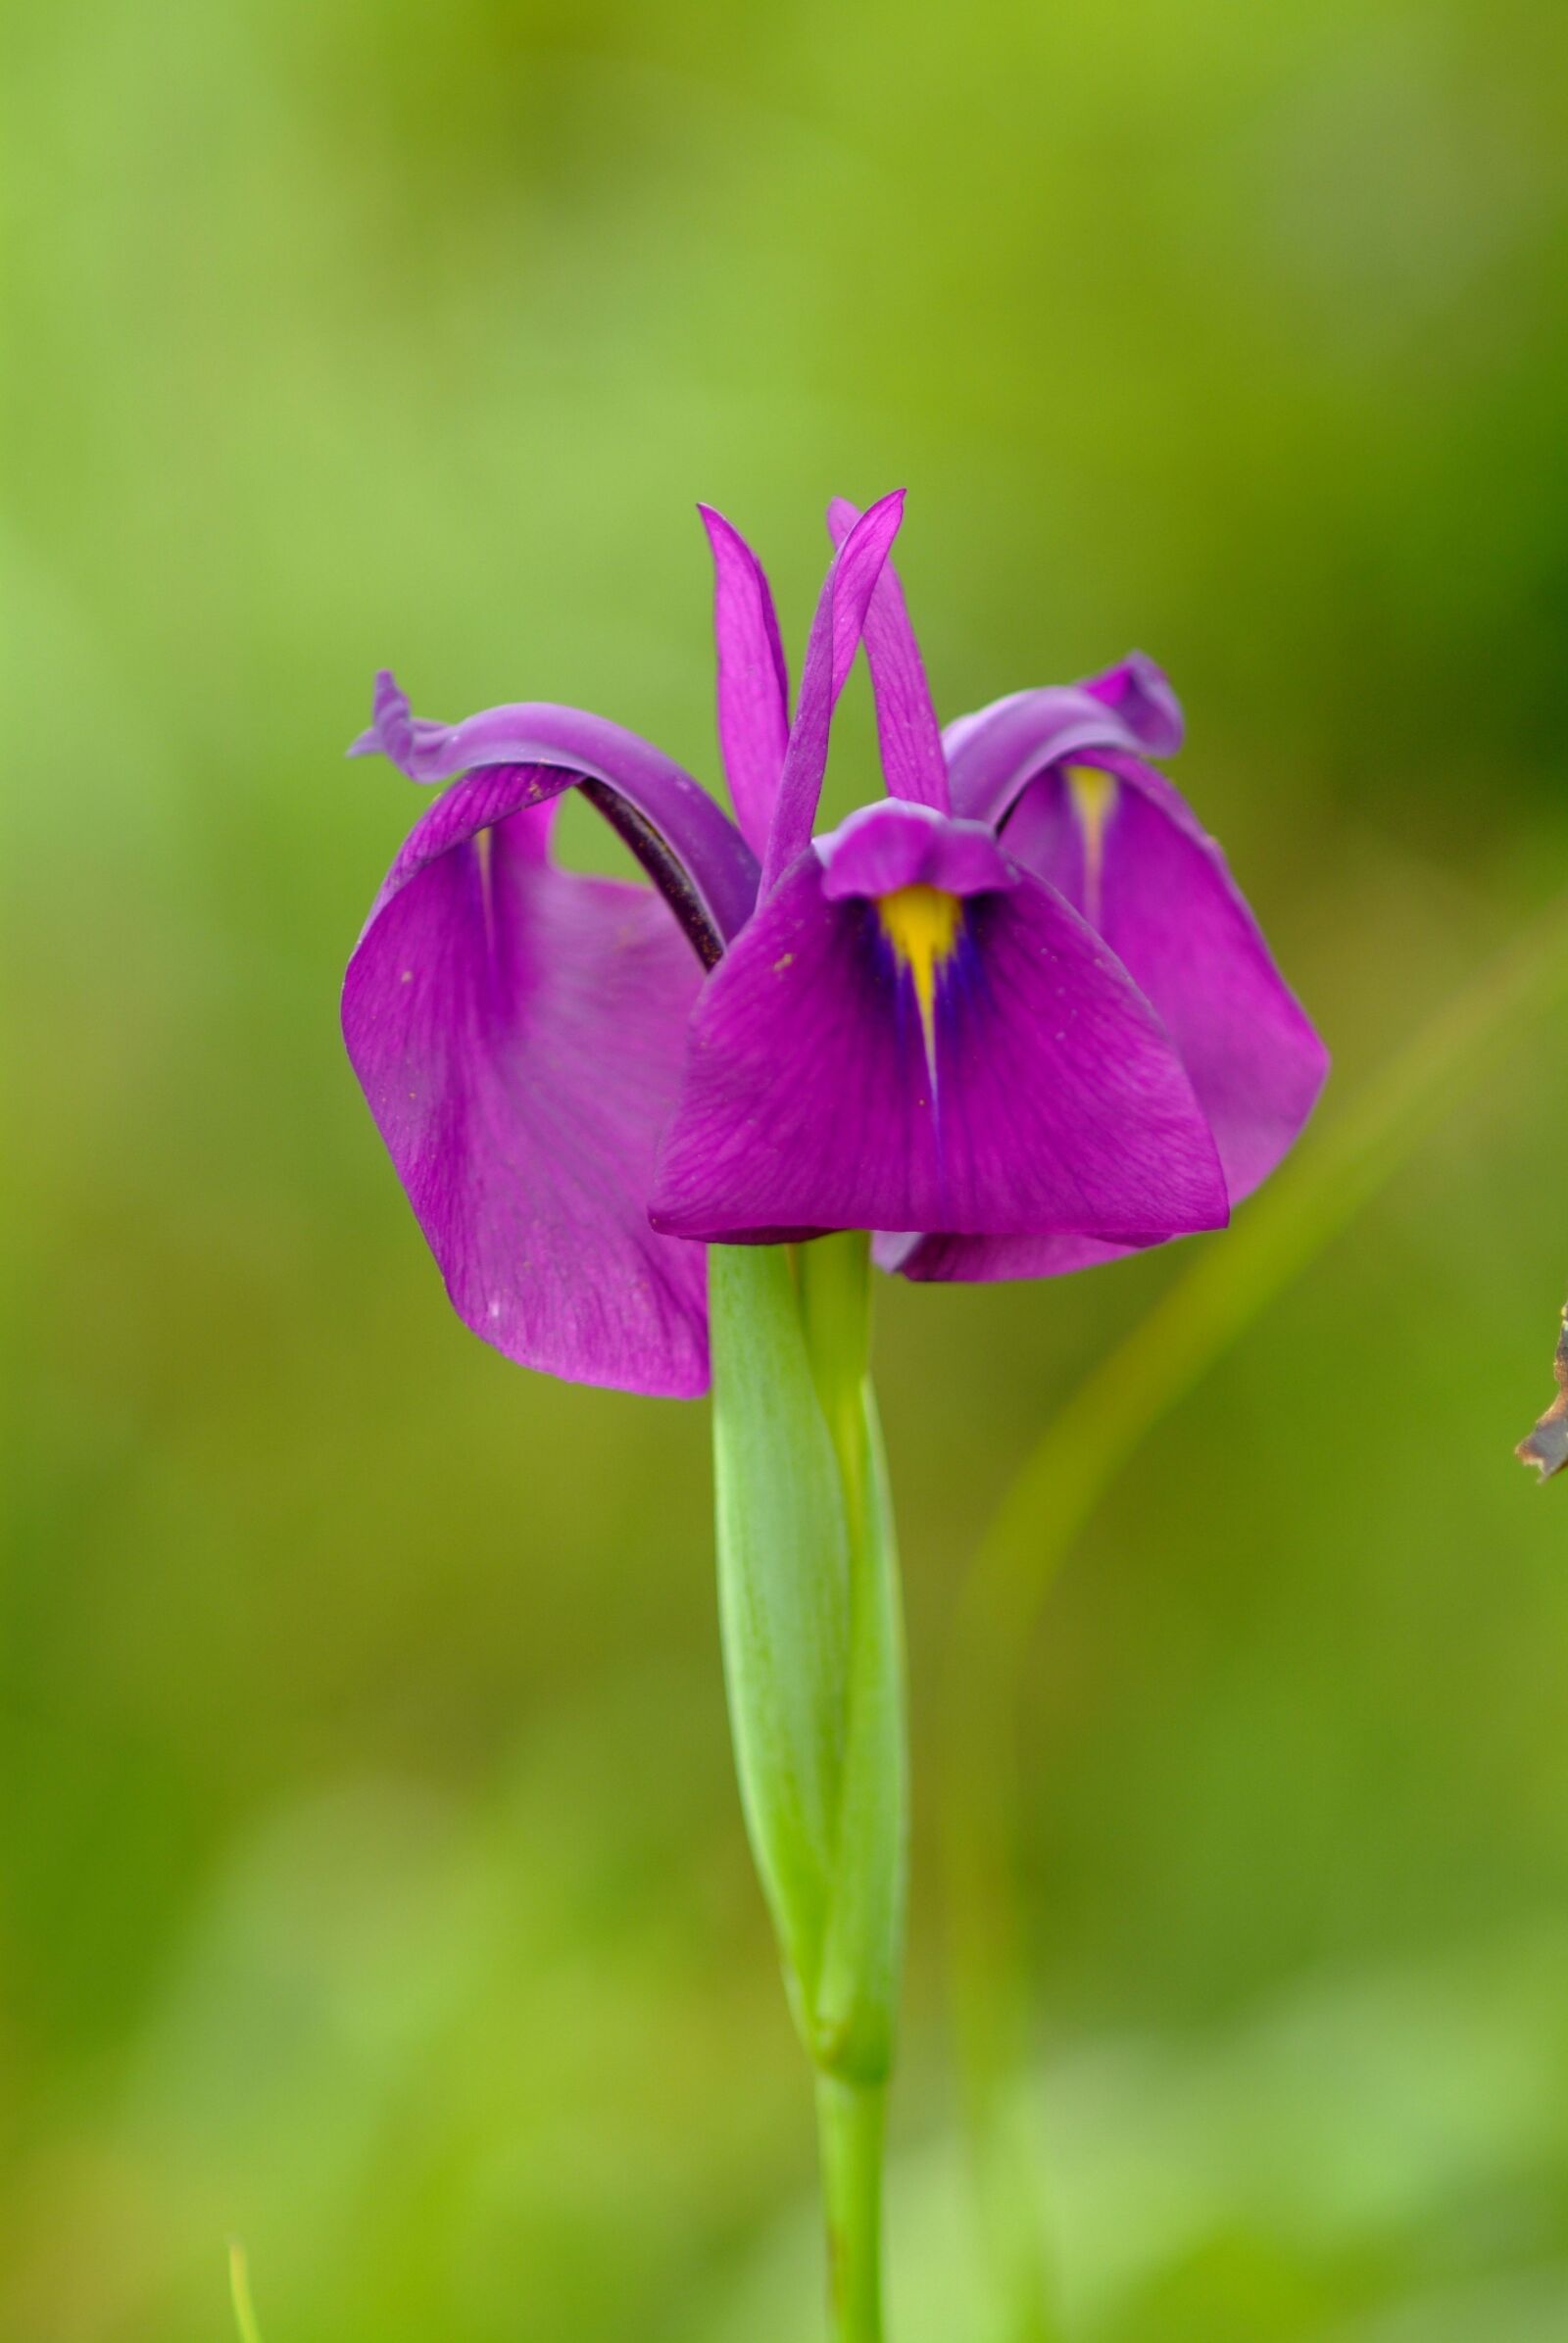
921	923
484	848
1094	800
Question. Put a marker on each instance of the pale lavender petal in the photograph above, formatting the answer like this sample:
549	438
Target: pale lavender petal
829	655
995	752
808	1098
754	685
696	856
908	733
518	1031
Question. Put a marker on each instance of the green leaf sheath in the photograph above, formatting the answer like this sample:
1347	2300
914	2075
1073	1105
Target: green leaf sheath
809	1611
783	1585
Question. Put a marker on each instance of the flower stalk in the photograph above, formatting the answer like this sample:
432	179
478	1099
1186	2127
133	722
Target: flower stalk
813	1662
850	2123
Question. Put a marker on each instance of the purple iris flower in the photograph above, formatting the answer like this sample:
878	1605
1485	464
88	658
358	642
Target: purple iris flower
1016	1014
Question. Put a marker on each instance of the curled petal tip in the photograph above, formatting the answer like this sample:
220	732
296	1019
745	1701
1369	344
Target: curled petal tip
1138	691
391	718
409	742
391	728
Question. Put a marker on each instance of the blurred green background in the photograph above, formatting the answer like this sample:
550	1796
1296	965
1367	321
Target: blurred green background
373	1883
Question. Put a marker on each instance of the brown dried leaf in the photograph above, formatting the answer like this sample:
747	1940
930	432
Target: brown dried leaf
1546	1445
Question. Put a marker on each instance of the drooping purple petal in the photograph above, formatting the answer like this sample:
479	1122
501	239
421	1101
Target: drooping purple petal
997	1260
1158	891
829	655
518	1031
695	855
992	753
910	741
754	685
1033	1092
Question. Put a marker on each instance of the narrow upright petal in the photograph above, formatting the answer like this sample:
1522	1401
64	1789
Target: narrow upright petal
517	1031
830	653
907	732
754	686
952	1050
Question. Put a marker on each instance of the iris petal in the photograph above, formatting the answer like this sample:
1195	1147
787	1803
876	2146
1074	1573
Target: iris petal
1140	696
692	852
1162	897
808	1100
830	650
1122	846
908	733
517	1031
754	685
992	753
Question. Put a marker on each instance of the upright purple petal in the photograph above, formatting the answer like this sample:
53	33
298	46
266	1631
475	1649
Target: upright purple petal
829	655
694	853
908	733
517	1031
754	685
929	1059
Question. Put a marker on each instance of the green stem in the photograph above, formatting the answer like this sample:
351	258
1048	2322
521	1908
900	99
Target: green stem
1232	1281
850	2120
